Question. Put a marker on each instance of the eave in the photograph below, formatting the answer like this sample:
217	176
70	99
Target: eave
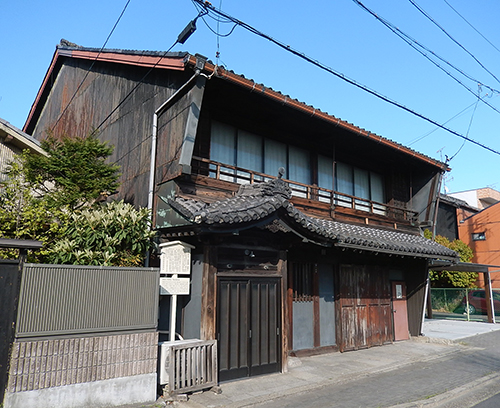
311	111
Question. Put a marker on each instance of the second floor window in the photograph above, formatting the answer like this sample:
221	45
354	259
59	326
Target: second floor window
239	148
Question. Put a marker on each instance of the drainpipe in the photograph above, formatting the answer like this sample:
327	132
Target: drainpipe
157	113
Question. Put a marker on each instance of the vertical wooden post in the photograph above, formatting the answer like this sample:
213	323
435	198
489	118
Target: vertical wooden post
285	311
489	298
208	295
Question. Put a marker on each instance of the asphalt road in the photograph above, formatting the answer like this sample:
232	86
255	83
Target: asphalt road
419	382
492	402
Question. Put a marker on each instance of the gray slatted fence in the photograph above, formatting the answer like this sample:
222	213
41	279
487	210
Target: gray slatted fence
193	366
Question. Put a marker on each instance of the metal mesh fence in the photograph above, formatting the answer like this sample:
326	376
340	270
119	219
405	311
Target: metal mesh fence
463	304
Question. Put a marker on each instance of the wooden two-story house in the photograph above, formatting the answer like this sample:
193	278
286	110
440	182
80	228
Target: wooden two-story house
305	227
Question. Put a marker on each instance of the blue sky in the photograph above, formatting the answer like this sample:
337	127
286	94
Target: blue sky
339	34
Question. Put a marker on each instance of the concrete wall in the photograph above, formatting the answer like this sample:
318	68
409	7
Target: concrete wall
99	371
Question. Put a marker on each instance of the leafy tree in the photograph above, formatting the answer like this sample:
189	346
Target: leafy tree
24	214
74	173
54	200
456	279
111	234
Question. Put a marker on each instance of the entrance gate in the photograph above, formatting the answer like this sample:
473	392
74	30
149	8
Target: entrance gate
248	326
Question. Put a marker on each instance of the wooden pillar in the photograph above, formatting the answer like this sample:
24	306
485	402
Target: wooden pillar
489	300
285	311
208	294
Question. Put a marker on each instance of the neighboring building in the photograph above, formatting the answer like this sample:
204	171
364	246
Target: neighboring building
305	227
451	211
481	231
12	142
479	198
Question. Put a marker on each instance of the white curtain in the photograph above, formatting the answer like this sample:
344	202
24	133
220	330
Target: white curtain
377	193
249	151
222	143
325	176
274	157
325	172
299	165
299	169
223	148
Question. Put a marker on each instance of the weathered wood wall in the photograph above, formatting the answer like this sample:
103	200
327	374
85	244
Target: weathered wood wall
129	128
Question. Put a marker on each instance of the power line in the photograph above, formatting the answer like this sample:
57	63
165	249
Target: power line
474	28
468	130
209	8
451	38
135	87
416	46
91	66
183	36
444	123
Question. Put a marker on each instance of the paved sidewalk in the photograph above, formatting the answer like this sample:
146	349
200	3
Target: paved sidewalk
442	340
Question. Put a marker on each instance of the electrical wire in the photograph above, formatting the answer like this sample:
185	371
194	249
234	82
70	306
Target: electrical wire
451	38
135	87
416	46
468	130
210	9
91	65
444	123
474	28
200	14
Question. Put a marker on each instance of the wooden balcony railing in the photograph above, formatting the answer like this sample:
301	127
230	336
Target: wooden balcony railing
225	172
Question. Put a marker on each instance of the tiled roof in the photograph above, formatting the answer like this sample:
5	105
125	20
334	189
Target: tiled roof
266	202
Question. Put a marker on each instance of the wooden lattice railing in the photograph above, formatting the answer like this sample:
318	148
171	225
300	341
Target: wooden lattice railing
225	172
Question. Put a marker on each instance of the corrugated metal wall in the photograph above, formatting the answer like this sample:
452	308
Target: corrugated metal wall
69	299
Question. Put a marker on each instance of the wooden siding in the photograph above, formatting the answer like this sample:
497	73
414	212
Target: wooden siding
129	128
364	307
7	154
174	134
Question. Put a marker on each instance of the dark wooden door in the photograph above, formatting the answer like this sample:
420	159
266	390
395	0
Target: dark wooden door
248	327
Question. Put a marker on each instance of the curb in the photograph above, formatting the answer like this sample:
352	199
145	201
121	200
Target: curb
466	396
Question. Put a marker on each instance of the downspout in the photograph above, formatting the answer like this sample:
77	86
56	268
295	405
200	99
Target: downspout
154	138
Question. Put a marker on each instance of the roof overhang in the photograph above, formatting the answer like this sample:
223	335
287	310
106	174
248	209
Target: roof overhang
12	135
311	111
20	243
267	205
180	61
439	265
